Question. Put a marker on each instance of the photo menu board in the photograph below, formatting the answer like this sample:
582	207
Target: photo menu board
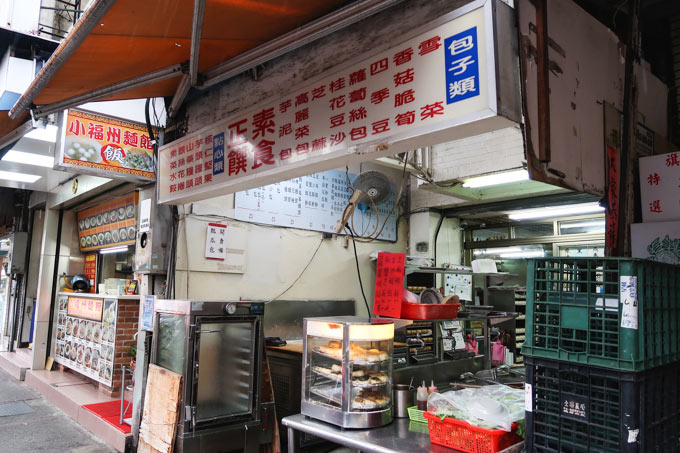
108	224
86	335
314	202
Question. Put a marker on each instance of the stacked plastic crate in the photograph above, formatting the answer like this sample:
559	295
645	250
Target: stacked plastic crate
602	355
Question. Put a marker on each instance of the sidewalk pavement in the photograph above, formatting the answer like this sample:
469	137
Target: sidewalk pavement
29	423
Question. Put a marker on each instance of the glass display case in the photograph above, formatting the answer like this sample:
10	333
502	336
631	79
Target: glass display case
347	371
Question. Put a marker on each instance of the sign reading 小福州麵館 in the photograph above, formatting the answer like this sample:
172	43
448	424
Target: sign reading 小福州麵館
81	307
104	146
429	83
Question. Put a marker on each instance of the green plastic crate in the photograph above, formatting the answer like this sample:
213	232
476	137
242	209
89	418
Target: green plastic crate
574	312
416	415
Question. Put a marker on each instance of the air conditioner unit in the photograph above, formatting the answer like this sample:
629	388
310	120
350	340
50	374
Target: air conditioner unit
16	74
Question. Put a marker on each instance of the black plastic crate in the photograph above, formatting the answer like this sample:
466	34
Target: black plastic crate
578	408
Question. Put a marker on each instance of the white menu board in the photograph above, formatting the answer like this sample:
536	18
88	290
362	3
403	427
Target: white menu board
85	345
314	202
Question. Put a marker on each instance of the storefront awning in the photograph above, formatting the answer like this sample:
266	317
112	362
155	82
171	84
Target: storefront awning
125	49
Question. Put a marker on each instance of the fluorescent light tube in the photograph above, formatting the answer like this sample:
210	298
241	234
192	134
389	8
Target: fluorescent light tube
20	177
118	249
525	254
496	179
47	134
556	211
21	157
497	250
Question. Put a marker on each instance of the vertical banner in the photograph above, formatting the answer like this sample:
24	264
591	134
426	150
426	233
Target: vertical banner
91	270
612	215
389	283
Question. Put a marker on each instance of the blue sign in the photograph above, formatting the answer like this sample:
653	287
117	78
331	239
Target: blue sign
462	66
147	312
218	154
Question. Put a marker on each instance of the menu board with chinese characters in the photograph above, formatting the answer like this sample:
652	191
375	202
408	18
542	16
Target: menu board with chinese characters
81	307
314	202
389	284
91	270
441	78
105	146
84	344
108	224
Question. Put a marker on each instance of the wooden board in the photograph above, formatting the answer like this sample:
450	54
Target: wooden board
159	419
290	347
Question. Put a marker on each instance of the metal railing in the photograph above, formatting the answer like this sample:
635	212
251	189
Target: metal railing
65	12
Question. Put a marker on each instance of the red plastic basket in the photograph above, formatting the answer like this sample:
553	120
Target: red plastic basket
454	433
410	310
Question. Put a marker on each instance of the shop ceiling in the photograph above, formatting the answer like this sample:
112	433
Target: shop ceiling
125	49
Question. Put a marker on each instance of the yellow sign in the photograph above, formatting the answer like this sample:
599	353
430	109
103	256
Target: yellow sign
81	307
108	224
106	146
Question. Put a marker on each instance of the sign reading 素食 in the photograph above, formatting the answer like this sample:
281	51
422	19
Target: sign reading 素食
443	76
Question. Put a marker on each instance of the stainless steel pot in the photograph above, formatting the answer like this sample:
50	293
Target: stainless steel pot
402	398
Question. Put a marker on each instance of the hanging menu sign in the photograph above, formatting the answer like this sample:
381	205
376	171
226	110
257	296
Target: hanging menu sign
86	333
91	270
438	79
108	224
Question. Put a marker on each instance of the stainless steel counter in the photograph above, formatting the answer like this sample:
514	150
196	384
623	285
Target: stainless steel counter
400	436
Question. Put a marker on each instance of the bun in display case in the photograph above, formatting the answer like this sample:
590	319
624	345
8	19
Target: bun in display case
347	371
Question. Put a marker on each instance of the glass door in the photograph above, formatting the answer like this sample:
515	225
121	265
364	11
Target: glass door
226	362
171	341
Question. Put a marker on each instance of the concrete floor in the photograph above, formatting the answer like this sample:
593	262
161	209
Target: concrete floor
45	429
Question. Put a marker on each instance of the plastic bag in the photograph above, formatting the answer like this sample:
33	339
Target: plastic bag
491	407
497	353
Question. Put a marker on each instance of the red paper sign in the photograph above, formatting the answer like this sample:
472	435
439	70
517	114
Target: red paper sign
389	283
612	215
91	270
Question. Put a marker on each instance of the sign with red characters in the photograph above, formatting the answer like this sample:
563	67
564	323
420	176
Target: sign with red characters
104	146
389	284
378	105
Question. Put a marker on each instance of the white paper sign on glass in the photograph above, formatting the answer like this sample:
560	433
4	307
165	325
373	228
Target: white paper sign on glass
629	302
415	93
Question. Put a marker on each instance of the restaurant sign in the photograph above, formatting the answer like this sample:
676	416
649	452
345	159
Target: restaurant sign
414	93
84	308
101	146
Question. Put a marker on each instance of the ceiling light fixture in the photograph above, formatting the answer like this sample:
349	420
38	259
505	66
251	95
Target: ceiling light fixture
556	211
20	177
46	134
496	179
21	157
118	249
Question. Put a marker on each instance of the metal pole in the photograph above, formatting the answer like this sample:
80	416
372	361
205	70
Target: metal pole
81	30
290	41
196	30
122	395
110	90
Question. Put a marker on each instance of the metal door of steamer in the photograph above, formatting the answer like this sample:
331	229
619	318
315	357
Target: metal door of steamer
225	364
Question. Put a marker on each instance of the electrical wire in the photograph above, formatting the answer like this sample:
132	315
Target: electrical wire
356	259
301	273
